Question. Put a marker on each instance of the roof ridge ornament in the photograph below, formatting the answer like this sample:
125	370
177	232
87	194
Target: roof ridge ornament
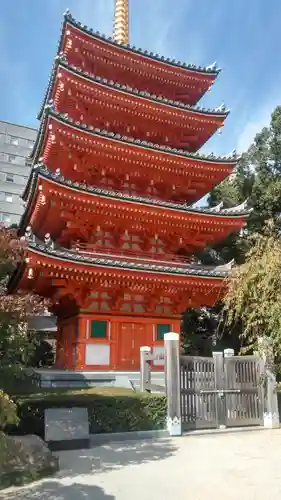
67	14
61	57
232	154
238	208
221	108
49	106
29	235
121	22
217	208
49	243
226	268
212	67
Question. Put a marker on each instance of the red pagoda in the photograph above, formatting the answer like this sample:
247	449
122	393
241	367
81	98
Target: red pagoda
110	218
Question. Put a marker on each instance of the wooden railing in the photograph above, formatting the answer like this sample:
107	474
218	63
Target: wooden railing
131	255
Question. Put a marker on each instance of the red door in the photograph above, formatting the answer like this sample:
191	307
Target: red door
132	336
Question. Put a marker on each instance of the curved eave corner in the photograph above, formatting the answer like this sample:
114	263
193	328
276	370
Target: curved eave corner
28	186
29	192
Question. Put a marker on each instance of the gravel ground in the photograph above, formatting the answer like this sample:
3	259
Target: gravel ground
243	465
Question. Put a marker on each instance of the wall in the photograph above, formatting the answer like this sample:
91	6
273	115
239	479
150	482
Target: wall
16	143
116	345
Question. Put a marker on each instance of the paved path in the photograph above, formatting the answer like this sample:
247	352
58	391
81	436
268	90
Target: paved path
244	466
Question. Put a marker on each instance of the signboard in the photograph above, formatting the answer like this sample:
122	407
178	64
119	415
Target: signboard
67	428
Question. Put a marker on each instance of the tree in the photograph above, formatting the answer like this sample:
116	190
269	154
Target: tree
254	291
256	179
203	331
16	344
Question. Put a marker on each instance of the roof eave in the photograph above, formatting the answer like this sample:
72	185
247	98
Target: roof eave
144	53
94	79
43	172
66	255
135	142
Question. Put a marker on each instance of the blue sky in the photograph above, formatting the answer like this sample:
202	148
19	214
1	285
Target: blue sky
243	36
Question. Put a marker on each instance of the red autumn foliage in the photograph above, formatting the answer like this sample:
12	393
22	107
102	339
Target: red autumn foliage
19	304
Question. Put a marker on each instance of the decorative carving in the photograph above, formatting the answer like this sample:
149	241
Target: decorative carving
116	300
151	303
180	303
145	242
48	241
29	236
116	235
68	291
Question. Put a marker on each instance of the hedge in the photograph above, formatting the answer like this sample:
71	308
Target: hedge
108	412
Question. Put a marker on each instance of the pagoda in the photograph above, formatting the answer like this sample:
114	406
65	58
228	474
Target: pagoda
110	223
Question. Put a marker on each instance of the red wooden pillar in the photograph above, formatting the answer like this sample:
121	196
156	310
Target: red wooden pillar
80	343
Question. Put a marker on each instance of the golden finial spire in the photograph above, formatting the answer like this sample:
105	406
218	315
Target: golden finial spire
121	21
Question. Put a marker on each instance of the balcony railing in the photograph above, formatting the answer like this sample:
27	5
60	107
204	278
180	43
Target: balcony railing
132	255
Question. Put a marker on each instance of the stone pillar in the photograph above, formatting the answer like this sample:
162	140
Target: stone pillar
228	353
230	383
173	388
219	384
271	411
145	368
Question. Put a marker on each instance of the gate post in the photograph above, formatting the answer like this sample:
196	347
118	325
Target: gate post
271	411
145	368
173	388
228	353
219	381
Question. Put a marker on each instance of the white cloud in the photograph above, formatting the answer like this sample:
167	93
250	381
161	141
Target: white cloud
259	119
253	126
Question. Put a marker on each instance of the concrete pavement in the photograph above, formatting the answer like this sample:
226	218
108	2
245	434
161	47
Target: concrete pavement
244	465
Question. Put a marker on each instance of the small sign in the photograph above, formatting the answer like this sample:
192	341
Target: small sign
67	428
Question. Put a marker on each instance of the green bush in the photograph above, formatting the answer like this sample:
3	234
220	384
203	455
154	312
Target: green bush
8	411
108	412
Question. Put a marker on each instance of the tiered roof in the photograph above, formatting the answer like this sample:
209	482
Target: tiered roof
60	135
64	190
75	35
97	100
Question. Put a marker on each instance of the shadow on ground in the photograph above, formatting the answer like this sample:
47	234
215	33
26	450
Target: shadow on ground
76	478
115	455
55	489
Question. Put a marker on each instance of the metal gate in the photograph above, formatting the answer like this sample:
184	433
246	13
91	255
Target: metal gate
221	392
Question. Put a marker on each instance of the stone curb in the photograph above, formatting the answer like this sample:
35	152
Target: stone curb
228	430
99	439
